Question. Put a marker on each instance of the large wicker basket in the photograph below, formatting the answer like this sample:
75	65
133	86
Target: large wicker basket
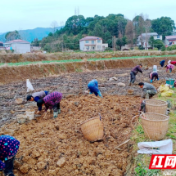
92	129
156	106
154	125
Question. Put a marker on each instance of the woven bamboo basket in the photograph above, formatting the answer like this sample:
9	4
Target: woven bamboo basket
92	129
156	106
155	125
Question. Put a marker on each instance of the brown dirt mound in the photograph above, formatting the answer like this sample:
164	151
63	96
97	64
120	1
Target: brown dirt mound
57	147
33	57
21	73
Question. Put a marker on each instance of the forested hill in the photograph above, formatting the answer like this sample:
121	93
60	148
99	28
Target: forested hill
114	25
30	34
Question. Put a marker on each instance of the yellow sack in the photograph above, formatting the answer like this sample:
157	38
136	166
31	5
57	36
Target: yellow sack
163	88
167	93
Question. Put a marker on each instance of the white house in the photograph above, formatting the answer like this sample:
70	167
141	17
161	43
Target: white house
92	43
19	46
170	40
143	39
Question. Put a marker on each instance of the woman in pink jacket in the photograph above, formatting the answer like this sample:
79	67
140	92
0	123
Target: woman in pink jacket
169	67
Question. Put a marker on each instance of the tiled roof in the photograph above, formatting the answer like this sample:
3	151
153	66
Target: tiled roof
90	38
17	41
171	37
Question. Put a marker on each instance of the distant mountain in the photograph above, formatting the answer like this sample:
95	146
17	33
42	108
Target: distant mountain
30	34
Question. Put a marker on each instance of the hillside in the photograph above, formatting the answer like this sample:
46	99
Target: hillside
114	29
30	34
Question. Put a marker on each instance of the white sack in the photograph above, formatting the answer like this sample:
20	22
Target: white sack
29	86
157	147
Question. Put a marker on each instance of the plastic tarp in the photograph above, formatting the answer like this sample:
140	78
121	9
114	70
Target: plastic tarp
29	86
157	147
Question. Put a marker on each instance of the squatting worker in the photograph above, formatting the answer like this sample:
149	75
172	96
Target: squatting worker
8	149
134	72
37	96
148	90
93	88
51	101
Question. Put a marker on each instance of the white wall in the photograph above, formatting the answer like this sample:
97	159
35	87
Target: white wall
81	45
21	47
159	37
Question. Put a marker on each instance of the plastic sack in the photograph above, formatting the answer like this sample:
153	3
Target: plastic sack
163	88
167	93
157	147
29	86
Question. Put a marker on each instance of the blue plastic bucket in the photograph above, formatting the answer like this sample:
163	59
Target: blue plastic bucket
170	81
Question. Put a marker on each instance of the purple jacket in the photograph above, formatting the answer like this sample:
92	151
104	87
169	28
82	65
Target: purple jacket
8	148
52	99
136	69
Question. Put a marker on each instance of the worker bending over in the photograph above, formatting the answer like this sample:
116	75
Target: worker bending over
134	72
37	96
51	101
162	63
154	75
169	67
93	88
8	149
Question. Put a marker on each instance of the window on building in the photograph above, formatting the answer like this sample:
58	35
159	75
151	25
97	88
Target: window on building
87	41
92	41
87	48
93	47
99	41
158	36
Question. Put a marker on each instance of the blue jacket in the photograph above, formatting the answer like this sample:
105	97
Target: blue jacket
8	148
162	63
93	87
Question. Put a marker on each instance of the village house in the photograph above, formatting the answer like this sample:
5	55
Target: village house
170	40
92	43
18	46
143	39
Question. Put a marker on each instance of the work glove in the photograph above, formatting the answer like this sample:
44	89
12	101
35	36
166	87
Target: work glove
99	93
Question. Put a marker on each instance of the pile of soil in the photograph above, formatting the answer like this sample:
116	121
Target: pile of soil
57	146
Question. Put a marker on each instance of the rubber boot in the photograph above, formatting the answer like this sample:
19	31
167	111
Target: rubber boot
59	111
55	114
151	80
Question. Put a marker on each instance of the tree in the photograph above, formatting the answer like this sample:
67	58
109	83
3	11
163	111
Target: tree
163	26
98	31
54	25
75	24
121	42
129	32
35	42
156	43
13	35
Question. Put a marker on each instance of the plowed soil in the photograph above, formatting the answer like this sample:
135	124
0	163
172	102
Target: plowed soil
45	140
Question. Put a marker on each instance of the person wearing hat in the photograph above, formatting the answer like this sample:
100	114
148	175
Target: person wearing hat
51	101
37	96
154	75
8	148
93	88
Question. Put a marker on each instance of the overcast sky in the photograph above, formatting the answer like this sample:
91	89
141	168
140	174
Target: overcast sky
29	14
